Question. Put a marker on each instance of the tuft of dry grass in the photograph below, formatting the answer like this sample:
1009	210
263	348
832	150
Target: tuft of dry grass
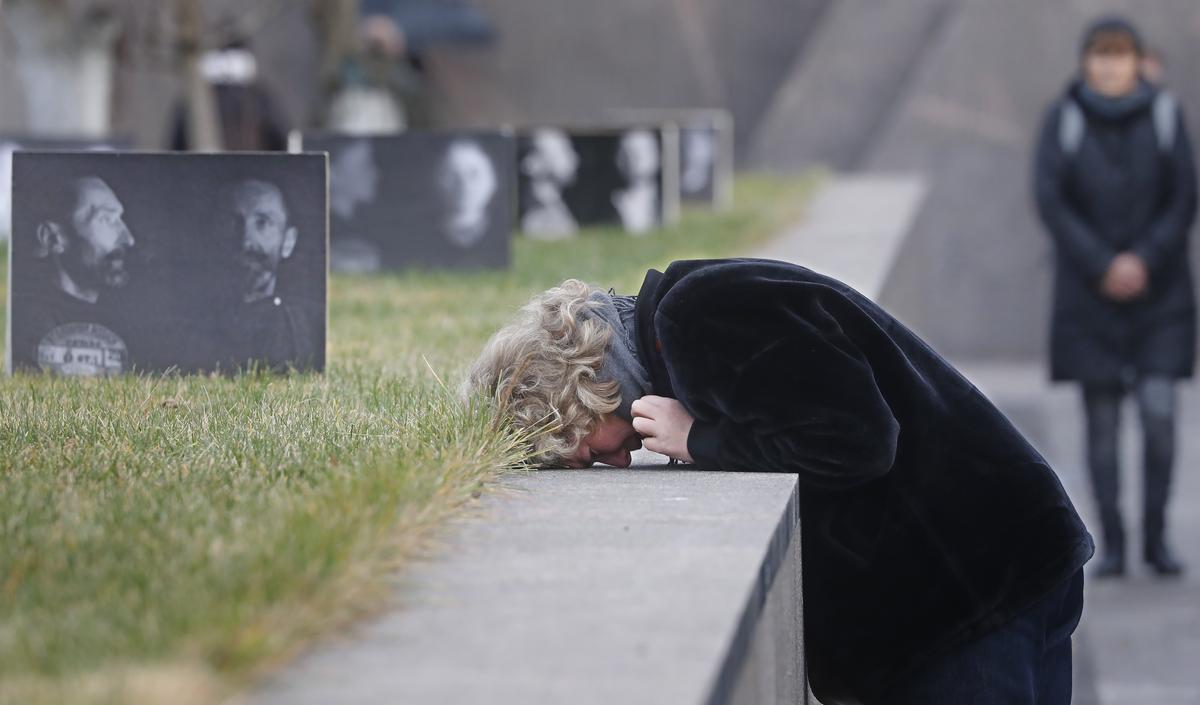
168	538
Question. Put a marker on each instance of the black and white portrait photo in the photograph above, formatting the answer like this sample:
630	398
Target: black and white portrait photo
621	177
354	182
10	143
706	157
639	198
467	184
418	200
128	262
549	165
697	157
705	150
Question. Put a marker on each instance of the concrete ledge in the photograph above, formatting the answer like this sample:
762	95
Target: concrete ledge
854	228
648	585
765	660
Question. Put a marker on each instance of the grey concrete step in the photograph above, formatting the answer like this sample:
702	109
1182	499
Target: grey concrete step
586	586
853	228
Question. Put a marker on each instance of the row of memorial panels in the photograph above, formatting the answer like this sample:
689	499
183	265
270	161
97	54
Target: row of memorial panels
454	199
145	261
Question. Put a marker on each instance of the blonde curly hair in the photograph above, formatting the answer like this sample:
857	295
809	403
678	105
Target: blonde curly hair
541	371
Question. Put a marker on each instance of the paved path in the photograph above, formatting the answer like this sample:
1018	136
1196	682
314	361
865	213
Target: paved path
1139	642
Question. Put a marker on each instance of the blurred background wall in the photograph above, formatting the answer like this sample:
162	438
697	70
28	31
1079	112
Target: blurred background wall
573	59
956	90
145	45
566	60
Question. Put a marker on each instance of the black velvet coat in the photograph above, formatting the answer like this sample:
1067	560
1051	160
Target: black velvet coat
1118	192
926	518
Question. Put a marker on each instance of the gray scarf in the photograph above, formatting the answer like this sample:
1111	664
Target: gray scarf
621	361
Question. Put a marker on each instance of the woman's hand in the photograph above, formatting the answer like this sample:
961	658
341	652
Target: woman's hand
1126	278
664	425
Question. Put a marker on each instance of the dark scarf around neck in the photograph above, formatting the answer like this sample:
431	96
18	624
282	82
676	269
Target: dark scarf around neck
621	361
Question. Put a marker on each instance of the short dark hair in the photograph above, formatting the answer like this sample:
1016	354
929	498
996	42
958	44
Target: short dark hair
229	191
1109	29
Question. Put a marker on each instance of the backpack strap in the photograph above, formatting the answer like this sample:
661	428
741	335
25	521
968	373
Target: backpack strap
1071	127
1166	119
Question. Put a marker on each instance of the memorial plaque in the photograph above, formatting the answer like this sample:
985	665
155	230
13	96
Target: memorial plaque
705	151
147	262
418	200
571	178
706	162
10	143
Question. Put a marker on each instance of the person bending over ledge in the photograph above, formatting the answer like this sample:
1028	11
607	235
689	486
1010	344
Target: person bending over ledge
942	557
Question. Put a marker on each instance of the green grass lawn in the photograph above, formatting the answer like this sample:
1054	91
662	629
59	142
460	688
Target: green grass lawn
171	535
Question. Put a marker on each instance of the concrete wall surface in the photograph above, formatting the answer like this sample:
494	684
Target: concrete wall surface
845	84
652	585
771	672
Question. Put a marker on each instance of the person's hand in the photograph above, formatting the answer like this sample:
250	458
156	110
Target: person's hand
1126	278
664	425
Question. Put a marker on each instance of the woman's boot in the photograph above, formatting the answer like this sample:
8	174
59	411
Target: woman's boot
1154	546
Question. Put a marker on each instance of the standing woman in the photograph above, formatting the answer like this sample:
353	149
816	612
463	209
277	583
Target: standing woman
1116	188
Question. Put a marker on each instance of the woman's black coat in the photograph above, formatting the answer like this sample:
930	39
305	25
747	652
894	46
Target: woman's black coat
926	518
1119	191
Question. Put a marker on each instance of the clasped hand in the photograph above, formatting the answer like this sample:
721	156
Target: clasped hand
1126	278
664	426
